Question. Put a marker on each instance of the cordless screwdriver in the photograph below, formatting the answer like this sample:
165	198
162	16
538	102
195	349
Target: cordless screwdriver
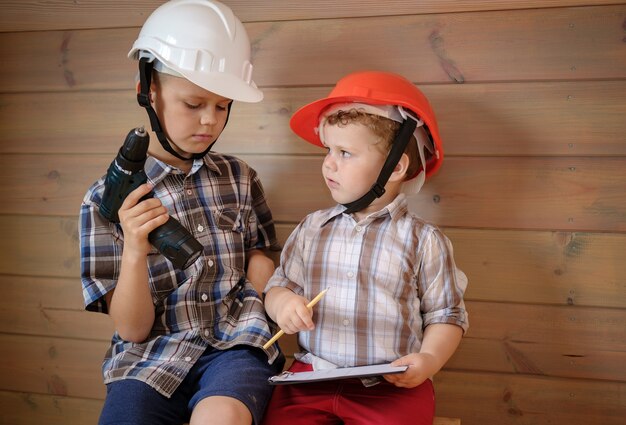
124	175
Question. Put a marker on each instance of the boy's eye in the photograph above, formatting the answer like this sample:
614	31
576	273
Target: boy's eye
192	106
345	154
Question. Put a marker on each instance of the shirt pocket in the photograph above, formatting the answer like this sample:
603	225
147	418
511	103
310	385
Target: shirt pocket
233	219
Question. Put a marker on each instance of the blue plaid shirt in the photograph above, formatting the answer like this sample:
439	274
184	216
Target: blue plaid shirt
222	203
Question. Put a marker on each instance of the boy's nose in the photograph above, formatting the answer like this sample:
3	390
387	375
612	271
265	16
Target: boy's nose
329	162
208	117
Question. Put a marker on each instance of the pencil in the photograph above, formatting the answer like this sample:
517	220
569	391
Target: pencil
280	333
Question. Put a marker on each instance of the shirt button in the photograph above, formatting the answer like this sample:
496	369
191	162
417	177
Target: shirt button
346	322
189	192
358	228
350	274
204	297
210	263
187	359
206	332
200	227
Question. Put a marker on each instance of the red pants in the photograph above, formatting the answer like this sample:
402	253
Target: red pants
347	401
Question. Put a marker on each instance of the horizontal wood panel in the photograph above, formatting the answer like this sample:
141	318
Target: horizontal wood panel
543	267
474	397
49	307
48	300
534	44
556	360
572	342
561	268
520	193
64	366
57	366
581	269
27	409
480	398
45	293
60	323
29	15
552	118
39	246
547	44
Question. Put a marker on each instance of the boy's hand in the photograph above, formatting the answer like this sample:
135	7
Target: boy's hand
138	219
439	342
421	366
290	311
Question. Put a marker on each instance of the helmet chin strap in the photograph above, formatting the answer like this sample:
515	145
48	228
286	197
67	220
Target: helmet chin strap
397	149
143	98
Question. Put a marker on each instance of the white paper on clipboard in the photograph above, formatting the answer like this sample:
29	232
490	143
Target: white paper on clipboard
339	373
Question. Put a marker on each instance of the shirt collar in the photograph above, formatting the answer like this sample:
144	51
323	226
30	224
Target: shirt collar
156	170
395	209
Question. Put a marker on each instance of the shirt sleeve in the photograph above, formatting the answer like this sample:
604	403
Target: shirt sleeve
100	251
261	233
290	272
441	284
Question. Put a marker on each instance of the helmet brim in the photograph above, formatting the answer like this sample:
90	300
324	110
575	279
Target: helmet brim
304	122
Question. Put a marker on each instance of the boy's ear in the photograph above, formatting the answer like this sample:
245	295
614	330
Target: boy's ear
399	173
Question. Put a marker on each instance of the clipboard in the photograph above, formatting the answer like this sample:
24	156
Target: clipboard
329	374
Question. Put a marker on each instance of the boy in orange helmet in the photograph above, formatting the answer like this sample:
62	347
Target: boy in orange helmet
397	295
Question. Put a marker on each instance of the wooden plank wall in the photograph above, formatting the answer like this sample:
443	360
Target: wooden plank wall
530	99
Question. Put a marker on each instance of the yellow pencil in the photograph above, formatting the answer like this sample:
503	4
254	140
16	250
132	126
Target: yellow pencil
280	333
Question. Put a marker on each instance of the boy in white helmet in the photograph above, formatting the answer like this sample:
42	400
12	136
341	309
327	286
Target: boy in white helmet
396	295
188	342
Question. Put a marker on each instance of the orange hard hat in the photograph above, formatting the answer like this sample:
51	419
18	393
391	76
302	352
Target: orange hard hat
375	88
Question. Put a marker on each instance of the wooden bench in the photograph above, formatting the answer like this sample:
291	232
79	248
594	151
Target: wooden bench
446	421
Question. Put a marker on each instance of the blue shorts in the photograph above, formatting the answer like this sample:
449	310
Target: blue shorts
240	372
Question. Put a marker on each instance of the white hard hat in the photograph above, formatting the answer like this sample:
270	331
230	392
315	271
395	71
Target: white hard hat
203	41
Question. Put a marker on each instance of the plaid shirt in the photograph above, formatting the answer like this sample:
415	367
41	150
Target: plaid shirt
221	202
391	275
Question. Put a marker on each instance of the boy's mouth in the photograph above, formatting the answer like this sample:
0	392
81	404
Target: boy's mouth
203	137
332	184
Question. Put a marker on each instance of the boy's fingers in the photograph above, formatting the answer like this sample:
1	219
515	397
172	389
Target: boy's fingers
306	317
134	196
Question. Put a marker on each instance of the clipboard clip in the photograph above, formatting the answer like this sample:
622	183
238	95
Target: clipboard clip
283	375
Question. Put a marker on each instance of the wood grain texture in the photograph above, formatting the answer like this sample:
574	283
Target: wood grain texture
498	398
511	193
512	119
567	342
28	15
479	398
529	99
19	408
559	268
521	45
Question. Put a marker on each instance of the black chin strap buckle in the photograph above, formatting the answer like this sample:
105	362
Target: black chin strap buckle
378	189
143	99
